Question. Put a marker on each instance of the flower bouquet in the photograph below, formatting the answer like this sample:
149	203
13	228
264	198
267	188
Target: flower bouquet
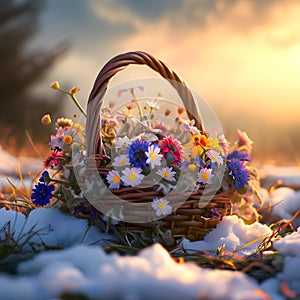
146	169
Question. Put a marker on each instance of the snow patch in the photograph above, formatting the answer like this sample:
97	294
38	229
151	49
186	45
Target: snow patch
152	274
52	227
233	232
289	245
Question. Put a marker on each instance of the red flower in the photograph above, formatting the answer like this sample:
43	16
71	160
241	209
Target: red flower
171	150
55	158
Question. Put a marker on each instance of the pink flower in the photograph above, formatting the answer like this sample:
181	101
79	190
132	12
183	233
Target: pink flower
171	150
54	159
160	126
244	140
58	138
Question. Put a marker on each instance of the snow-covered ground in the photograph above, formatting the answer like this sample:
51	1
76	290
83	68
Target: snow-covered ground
82	267
87	270
288	176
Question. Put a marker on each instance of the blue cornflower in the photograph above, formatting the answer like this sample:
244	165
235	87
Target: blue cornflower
137	153
244	156
239	173
42	192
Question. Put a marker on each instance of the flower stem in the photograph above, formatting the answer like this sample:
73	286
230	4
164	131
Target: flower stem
137	102
66	183
78	104
74	100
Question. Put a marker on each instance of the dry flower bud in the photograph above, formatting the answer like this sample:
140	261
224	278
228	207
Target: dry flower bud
167	112
46	119
74	90
54	85
180	110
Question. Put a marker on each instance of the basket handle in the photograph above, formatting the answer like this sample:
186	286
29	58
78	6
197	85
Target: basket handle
112	67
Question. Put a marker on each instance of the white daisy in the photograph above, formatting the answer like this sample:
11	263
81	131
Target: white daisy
167	173
153	104
215	156
114	180
122	142
120	161
154	158
205	176
161	207
132	176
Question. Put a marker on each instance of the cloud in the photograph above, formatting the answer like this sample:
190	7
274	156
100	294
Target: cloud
241	53
252	68
114	12
134	12
285	16
238	15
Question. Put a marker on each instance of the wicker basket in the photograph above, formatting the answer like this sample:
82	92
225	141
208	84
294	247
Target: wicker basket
189	220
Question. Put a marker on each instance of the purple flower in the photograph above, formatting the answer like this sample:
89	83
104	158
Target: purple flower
122	91
215	213
42	192
239	173
243	156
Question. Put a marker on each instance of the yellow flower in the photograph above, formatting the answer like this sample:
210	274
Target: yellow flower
46	119
191	150
214	144
68	140
78	127
196	146
74	90
201	139
54	85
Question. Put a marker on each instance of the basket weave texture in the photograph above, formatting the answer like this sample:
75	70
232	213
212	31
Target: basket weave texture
189	220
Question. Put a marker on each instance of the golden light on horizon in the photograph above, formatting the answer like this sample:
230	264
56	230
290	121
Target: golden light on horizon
237	57
243	57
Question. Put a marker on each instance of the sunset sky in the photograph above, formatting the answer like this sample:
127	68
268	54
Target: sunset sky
242	56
